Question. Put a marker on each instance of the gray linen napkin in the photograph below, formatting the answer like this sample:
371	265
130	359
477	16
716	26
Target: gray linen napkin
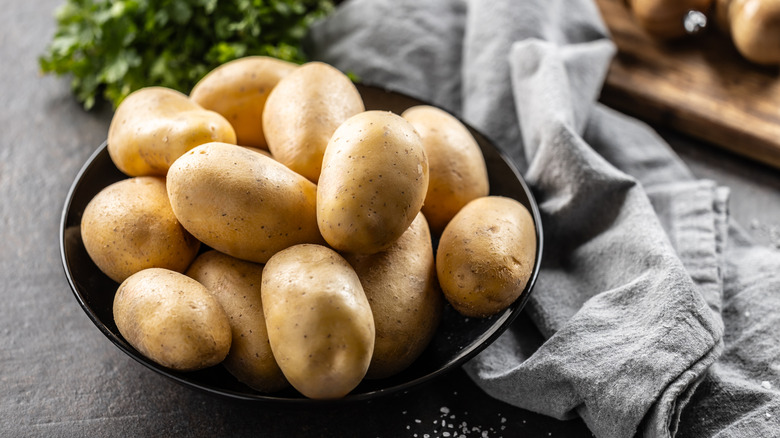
657	315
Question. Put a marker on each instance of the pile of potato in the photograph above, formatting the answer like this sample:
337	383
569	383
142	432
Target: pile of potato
320	269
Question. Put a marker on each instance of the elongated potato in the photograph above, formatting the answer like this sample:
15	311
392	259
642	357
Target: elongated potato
303	111
238	90
486	255
172	320
130	226
373	182
236	285
458	173
154	126
242	203
401	287
319	321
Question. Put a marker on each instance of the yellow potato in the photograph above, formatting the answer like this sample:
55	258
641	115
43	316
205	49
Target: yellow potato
172	320
401	287
129	226
319	321
241	202
238	90
486	255
153	126
373	182
302	112
236	285
457	168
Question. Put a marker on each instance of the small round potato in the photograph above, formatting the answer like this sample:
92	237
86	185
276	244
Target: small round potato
129	226
172	320
302	112
373	182
486	255
236	285
153	126
401	287
458	173
319	321
238	90
241	202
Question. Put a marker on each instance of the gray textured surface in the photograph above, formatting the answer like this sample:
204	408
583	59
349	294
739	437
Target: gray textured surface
60	378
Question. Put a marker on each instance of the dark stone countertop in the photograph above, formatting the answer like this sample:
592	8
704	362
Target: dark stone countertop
59	376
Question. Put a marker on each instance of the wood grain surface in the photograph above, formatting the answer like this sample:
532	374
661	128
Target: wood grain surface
699	86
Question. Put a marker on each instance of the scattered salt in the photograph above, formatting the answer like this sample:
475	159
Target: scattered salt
444	410
503	420
766	385
445	434
417	420
747	314
768	415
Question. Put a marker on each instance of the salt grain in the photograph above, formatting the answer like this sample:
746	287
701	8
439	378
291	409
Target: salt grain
445	434
444	410
766	385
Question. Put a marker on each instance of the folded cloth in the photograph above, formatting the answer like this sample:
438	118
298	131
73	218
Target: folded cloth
656	315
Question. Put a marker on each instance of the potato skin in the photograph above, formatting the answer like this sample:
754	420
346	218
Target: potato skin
236	285
241	202
401	287
458	173
153	126
172	320
319	321
238	91
130	226
486	255
303	111
373	182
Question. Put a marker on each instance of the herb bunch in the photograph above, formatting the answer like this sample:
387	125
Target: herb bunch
114	47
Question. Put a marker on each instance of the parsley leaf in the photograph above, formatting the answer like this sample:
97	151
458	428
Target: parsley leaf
111	48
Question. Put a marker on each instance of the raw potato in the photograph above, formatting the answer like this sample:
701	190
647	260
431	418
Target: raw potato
373	182
238	90
754	26
236	285
129	226
486	255
303	111
172	320
458	173
241	202
401	287
153	126
319	321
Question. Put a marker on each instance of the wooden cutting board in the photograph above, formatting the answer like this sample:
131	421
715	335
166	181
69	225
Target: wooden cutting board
699	86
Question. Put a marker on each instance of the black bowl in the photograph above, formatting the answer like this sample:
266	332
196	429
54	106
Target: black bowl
457	340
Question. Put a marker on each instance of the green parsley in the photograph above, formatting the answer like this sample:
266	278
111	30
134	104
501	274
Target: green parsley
114	47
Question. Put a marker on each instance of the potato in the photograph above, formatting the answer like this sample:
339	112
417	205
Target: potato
457	168
129	226
153	126
242	203
486	255
172	320
401	287
236	285
373	182
302	112
319	321
238	90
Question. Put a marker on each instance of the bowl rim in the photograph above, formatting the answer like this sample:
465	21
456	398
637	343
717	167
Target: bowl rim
498	327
